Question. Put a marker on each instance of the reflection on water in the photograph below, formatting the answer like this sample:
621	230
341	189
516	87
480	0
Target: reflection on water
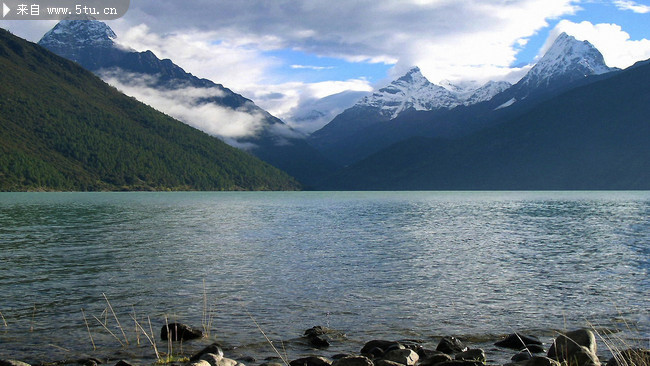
374	265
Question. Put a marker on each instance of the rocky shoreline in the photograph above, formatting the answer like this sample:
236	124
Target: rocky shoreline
575	348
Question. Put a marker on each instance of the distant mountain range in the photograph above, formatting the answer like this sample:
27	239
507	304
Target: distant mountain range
62	128
571	122
412	106
592	137
198	102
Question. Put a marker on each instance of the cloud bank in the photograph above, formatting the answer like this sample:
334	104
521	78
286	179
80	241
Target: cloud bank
187	105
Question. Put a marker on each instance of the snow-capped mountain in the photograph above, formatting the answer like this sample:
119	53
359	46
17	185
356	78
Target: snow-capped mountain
566	61
69	34
198	102
486	92
414	90
382	119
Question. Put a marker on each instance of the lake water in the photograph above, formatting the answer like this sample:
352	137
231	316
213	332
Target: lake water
387	265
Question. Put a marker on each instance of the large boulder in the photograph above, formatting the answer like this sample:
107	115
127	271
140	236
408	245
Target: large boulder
460	363
472	355
583	357
179	332
540	361
566	345
434	359
311	361
629	357
387	363
402	356
377	347
353	361
213	348
517	341
451	345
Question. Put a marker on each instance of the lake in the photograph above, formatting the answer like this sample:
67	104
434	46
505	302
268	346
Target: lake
369	265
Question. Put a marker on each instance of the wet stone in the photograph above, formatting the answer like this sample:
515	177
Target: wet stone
451	345
472	355
311	361
435	359
213	348
353	361
521	356
402	356
517	341
179	332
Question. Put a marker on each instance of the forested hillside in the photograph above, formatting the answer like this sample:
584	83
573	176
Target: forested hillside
62	128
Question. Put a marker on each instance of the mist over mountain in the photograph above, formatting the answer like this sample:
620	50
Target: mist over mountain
201	103
65	129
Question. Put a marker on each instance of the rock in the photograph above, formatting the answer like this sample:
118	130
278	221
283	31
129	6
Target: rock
179	332
199	363
375	345
472	355
311	361
213	348
402	356
272	364
318	341
583	357
521	356
341	355
122	363
353	361
460	363
395	346
212	358
517	341
567	344
632	356
315	331
435	359
533	348
249	359
451	345
13	363
387	363
539	361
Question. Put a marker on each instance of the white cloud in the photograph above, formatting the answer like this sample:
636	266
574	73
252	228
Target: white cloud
633	6
185	104
287	99
225	41
230	62
309	67
614	43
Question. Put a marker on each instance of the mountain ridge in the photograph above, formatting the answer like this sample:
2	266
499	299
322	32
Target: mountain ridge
361	131
592	137
65	129
90	43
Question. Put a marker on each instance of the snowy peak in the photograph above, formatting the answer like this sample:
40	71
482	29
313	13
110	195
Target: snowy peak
566	60
412	90
78	34
486	92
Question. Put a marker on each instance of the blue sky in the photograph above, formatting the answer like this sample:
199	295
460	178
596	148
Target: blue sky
287	54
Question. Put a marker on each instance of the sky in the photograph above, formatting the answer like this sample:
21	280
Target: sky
286	55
